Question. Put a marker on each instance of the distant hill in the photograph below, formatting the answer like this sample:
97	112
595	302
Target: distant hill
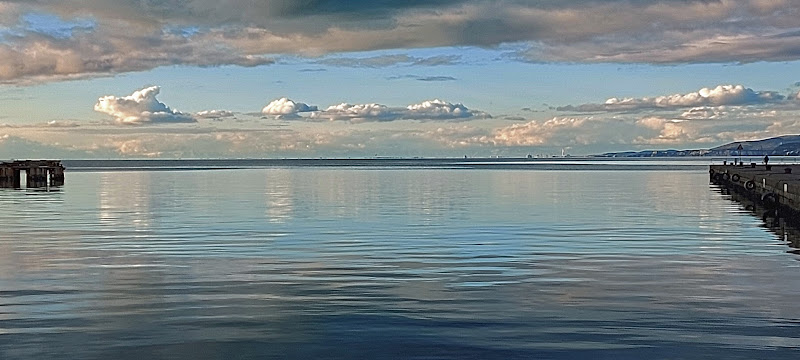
786	145
781	145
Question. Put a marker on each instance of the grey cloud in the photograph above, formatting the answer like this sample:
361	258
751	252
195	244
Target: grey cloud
65	124
422	78
437	78
139	35
376	61
389	60
38	57
403	77
248	11
437	60
669	48
15	147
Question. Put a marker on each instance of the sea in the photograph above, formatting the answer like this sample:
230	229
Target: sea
394	259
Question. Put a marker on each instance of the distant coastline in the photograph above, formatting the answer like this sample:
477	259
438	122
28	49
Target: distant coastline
786	145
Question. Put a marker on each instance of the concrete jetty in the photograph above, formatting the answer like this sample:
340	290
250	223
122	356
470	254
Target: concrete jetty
38	173
775	187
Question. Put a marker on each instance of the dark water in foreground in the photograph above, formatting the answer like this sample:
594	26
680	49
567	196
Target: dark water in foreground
396	263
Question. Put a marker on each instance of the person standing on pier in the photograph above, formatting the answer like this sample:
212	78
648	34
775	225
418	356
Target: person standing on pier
766	159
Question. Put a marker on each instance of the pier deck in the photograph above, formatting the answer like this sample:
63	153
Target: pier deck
775	185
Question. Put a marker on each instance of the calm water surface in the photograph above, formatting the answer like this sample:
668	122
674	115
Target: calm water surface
354	263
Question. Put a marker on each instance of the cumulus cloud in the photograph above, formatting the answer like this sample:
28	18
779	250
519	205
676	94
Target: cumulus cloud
435	109
358	112
108	37
141	107
718	96
213	114
427	110
286	107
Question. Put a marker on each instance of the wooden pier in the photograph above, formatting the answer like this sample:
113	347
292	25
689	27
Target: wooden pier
38	173
772	186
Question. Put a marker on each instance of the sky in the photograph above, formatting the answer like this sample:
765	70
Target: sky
335	78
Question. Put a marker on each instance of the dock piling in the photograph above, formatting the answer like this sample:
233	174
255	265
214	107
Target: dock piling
38	174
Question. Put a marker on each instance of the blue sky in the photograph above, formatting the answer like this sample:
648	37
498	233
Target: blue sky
237	78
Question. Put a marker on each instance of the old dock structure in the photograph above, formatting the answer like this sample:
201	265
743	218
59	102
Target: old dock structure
774	187
38	173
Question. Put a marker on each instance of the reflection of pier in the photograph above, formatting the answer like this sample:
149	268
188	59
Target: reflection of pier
771	195
38	173
782	224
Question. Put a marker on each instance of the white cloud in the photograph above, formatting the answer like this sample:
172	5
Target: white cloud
607	131
427	110
357	112
652	122
213	114
455	136
718	96
704	113
436	108
285	106
537	133
672	131
559	132
141	107
135	147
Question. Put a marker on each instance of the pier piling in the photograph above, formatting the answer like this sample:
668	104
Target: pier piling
38	173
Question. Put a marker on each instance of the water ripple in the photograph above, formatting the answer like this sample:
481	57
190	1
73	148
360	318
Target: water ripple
400	263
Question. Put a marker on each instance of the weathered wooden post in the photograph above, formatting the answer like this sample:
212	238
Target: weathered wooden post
16	179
